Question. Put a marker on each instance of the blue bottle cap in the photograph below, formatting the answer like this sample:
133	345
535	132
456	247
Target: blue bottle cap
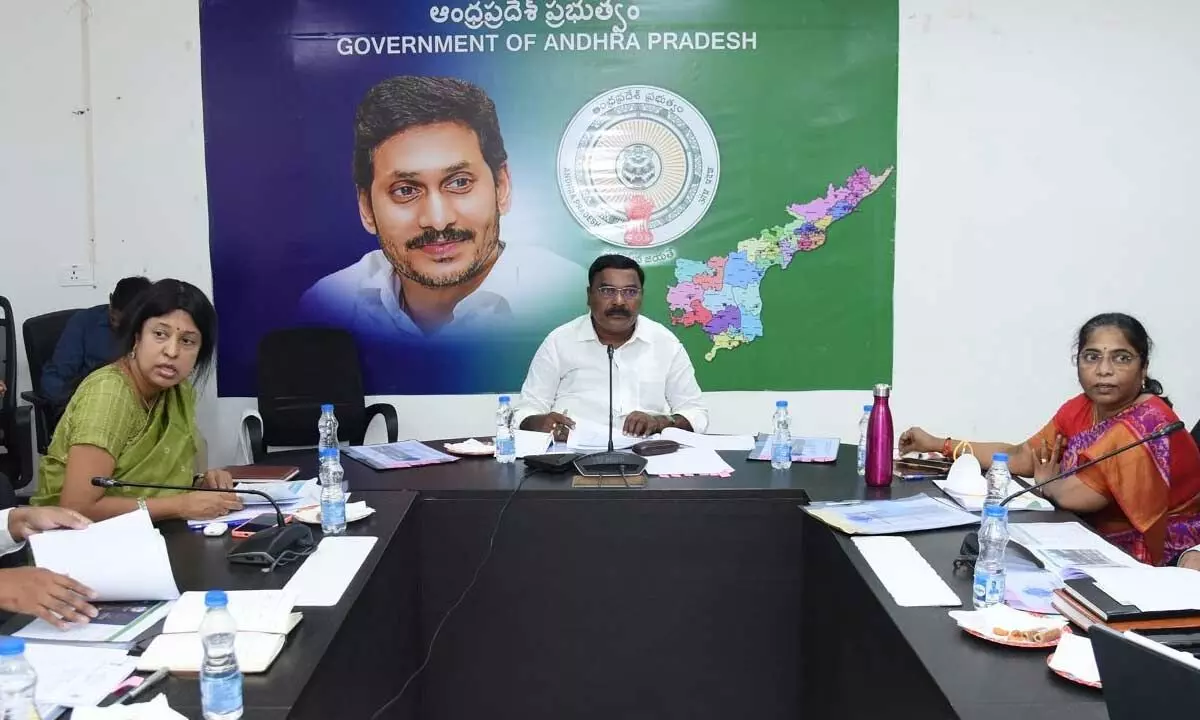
504	399
1000	457
215	599
327	408
995	511
781	403
10	646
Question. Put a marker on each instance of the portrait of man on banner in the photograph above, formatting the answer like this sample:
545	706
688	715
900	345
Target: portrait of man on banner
433	182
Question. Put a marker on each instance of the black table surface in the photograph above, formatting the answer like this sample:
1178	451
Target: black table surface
199	563
979	679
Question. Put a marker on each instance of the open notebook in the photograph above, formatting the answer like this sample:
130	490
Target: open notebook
264	619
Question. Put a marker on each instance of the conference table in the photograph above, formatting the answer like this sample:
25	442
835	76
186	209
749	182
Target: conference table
694	598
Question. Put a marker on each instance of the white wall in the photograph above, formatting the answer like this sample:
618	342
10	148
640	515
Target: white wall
1045	152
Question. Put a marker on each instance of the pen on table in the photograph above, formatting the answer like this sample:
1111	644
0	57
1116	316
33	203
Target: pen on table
149	682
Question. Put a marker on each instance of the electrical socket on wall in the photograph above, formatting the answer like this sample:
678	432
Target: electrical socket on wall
75	275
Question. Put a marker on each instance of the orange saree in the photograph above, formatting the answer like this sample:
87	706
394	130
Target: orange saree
1153	490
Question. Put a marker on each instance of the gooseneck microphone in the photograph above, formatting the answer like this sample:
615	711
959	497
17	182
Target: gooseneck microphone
610	463
1160	433
265	547
970	546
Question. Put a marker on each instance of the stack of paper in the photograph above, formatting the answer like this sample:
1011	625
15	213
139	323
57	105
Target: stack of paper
803	449
588	436
70	677
688	461
117	624
1067	547
263	619
283	493
393	456
711	442
122	558
302	493
1150	589
890	517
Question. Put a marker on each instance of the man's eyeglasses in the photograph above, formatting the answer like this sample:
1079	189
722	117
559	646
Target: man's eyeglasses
608	292
1119	358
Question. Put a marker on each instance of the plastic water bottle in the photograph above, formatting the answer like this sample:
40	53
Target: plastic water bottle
989	566
332	457
220	678
327	430
781	437
506	444
998	479
333	495
880	440
862	440
17	681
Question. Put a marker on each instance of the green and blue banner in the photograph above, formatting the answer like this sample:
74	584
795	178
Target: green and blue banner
437	177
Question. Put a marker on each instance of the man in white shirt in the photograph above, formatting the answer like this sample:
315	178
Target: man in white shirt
654	383
55	598
433	181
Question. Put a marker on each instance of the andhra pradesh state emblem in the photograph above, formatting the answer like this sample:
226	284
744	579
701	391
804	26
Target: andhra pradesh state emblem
638	166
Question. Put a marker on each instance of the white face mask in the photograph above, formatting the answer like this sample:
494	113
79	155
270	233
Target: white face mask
966	476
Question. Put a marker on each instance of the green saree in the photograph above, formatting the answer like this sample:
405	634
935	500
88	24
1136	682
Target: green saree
156	445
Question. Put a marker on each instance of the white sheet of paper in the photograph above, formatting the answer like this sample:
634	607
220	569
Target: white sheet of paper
589	436
76	676
1151	589
1074	656
529	442
323	578
122	558
906	575
156	709
710	442
688	461
253	611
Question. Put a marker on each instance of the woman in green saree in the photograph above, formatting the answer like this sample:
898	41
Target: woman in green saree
135	418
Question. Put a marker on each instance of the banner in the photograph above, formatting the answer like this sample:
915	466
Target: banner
436	178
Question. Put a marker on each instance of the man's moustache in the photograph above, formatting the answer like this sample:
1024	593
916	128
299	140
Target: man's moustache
435	237
617	312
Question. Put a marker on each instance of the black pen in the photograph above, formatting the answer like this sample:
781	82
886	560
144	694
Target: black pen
146	684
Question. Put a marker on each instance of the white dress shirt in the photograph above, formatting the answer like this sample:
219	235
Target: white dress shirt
652	373
526	284
7	544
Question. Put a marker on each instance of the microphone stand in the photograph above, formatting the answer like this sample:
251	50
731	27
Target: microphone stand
610	463
970	546
265	547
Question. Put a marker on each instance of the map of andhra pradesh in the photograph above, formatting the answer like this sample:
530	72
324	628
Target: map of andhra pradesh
721	295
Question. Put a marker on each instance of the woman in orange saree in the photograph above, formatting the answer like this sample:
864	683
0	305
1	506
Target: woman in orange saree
1145	500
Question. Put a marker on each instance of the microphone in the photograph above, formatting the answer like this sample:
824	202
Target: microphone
610	463
970	546
264	547
1161	432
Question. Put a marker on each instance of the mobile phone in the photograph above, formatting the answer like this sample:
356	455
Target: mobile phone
253	525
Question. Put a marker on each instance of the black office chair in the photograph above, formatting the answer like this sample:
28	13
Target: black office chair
16	463
41	335
300	369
